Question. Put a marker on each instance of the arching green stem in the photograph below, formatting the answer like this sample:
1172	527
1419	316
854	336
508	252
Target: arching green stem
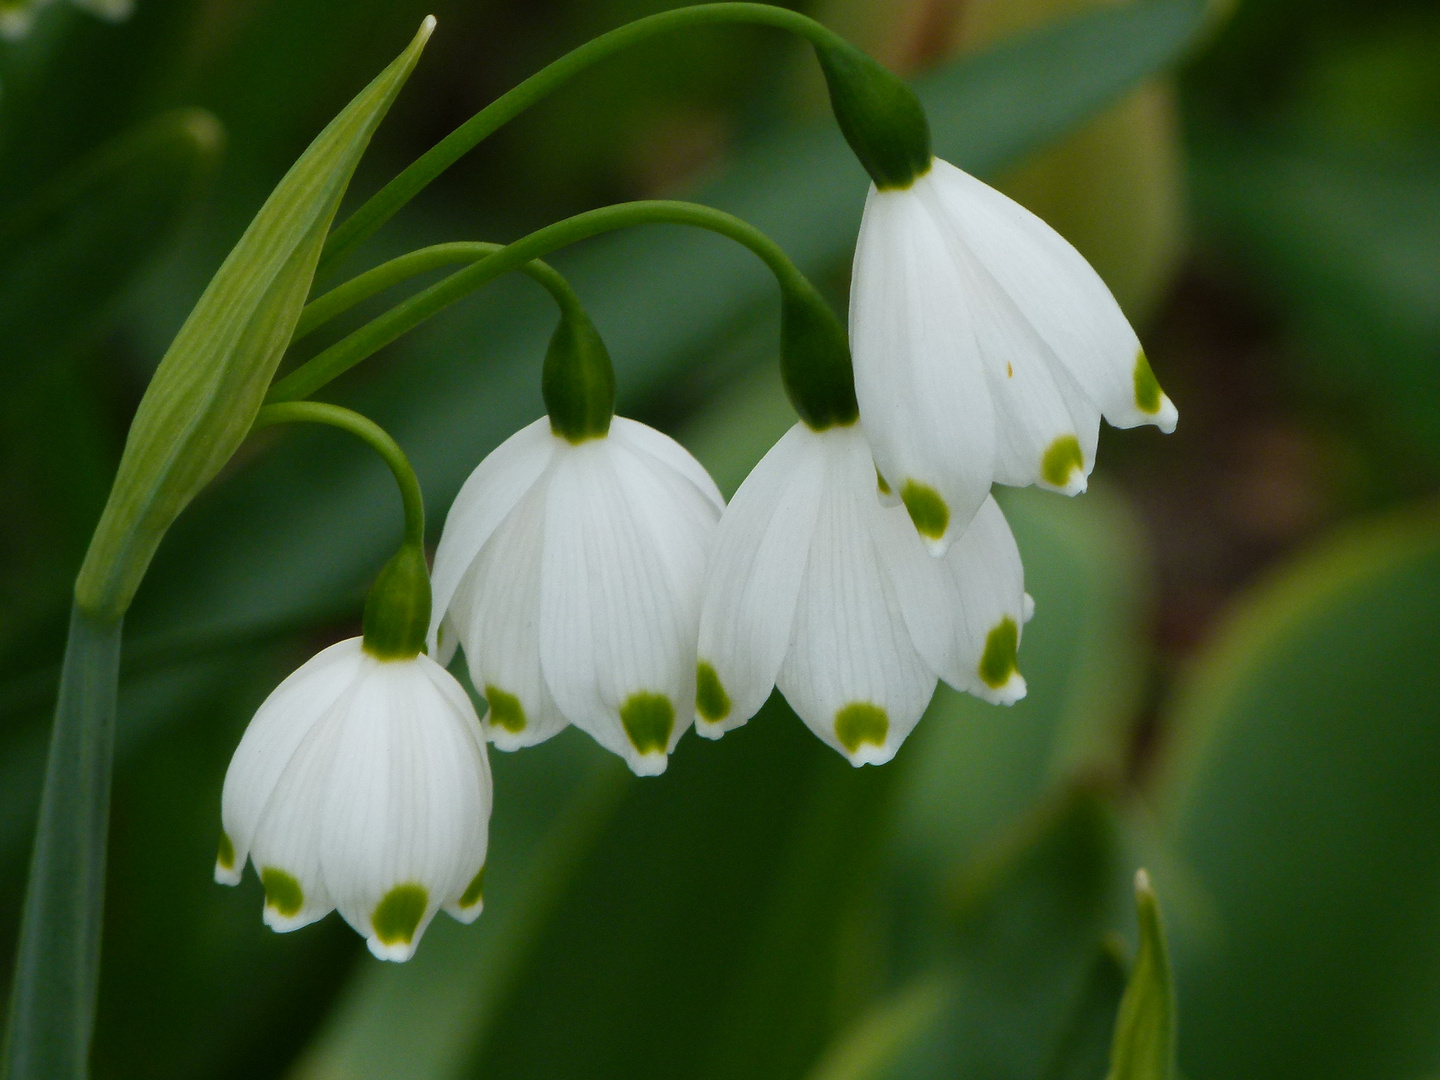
343	297
376	437
349	351
394	195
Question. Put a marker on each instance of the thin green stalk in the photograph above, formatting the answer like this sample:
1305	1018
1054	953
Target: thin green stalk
57	967
318	412
394	195
343	297
375	335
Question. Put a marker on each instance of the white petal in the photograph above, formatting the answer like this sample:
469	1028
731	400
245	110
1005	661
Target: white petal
668	452
918	375
852	673
279	726
286	848
1060	295
966	612
497	611
754	579
489	494
407	805
626	544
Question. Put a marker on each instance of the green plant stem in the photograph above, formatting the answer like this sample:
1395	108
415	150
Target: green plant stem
399	191
57	967
343	297
375	335
319	412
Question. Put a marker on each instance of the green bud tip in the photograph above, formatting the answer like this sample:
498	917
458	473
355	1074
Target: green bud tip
578	380
397	611
815	360
881	118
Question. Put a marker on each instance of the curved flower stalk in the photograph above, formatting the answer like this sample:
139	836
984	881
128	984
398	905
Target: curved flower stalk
571	573
986	349
361	784
819	588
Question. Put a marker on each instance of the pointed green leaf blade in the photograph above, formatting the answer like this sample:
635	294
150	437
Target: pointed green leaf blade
1144	1047
210	384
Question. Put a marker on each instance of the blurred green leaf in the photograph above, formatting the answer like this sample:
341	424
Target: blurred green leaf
1082	1052
1028	920
68	249
708	930
66	252
207	389
1144	1047
1308	787
1342	233
869	1049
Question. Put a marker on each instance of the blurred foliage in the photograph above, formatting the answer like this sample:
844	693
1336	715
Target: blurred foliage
763	910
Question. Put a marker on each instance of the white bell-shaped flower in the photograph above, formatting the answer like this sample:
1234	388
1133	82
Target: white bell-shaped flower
820	588
361	784
986	349
571	572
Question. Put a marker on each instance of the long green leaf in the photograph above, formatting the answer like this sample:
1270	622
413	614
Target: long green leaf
52	1007
1304	799
209	386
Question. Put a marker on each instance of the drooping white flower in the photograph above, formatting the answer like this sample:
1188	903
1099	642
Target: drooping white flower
986	349
571	572
361	784
818	587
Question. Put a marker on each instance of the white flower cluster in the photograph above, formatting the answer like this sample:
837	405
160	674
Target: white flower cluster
600	580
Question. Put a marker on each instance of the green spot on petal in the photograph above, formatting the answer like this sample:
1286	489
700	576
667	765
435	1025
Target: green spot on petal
282	891
474	891
505	709
881	484
927	510
859	723
1061	459
648	719
226	855
399	913
998	662
710	696
1147	387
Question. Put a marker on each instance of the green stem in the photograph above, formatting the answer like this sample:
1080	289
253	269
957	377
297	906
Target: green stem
318	412
375	335
394	195
343	297
57	966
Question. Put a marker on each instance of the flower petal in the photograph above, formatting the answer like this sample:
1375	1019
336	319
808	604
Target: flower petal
754	580
966	611
497	608
624	559
490	493
1060	295
852	673
667	451
918	373
407	804
279	726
